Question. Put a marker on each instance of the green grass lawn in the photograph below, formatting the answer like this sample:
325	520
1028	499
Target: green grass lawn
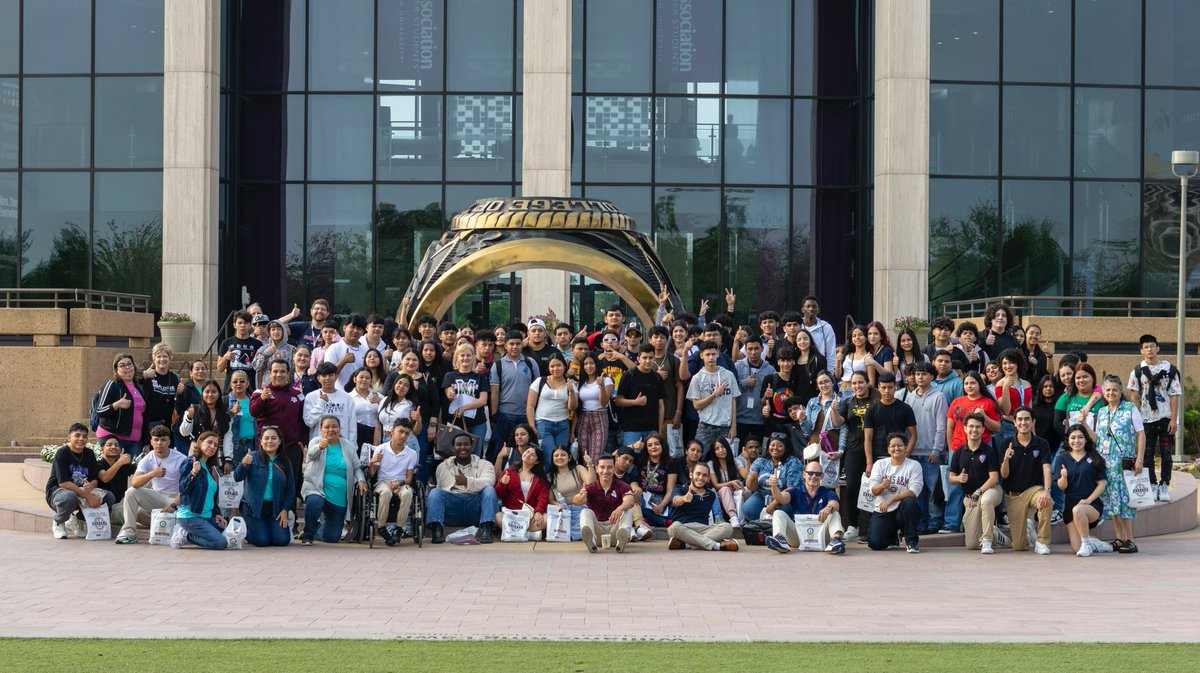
194	656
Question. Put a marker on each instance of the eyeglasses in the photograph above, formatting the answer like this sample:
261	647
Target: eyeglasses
609	340
809	473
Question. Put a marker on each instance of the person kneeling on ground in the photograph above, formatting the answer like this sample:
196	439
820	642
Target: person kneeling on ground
609	502
810	499
525	488
393	466
330	475
270	491
895	483
465	494
693	507
197	520
73	476
1025	468
975	466
154	485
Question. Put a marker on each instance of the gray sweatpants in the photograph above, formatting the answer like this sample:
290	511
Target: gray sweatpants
138	504
65	503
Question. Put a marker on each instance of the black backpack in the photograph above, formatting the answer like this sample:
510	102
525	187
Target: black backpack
755	532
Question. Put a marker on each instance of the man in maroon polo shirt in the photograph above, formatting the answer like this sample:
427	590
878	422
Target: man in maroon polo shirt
609	503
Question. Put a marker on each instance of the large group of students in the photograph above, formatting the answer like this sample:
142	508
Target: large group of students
700	426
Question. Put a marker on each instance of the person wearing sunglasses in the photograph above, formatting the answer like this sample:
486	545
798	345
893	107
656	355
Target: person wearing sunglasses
810	499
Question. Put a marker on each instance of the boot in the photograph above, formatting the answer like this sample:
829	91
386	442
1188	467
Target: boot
436	534
485	533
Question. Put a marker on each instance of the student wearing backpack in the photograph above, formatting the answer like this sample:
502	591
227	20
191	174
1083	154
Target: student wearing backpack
508	385
1155	389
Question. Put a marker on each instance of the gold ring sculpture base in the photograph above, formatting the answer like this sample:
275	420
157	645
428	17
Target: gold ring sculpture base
497	235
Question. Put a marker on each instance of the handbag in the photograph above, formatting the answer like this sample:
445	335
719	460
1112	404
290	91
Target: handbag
235	532
811	531
162	524
447	433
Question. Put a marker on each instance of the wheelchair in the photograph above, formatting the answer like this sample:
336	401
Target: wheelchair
366	505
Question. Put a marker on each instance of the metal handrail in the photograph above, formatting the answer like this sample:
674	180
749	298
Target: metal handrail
28	297
1051	305
222	334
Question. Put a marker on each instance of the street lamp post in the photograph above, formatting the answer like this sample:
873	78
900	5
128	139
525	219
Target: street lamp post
1184	164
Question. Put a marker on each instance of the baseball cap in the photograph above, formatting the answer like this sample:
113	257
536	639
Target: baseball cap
633	327
537	322
260	319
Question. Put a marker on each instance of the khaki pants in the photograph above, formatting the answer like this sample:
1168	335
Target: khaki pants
1018	512
700	535
384	501
782	524
137	506
623	528
980	520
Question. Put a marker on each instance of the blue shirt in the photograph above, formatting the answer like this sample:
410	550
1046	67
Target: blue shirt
791	474
950	387
1082	475
699	509
803	503
749	404
335	476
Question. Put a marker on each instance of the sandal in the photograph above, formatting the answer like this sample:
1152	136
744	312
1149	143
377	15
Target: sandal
1127	548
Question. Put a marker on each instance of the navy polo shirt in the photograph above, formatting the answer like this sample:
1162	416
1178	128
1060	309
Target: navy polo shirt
803	503
698	510
1025	467
977	464
1082	475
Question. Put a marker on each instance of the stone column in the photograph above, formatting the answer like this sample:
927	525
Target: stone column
192	129
546	133
901	202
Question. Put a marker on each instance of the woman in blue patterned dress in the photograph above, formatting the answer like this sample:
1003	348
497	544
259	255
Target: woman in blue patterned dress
1120	440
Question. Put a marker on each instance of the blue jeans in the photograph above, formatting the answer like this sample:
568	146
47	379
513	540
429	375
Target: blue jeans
480	432
631	438
502	427
652	518
264	530
553	434
753	506
203	533
335	518
931	514
462	509
707	434
954	500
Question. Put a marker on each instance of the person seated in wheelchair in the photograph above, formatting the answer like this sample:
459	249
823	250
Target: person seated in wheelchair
524	487
392	466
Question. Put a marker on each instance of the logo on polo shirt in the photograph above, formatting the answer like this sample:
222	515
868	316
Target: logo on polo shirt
983	458
1089	461
1036	452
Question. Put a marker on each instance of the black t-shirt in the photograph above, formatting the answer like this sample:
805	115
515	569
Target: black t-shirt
854	411
471	384
1025	467
75	468
885	419
159	393
120	482
613	369
781	390
542	357
244	351
634	383
977	464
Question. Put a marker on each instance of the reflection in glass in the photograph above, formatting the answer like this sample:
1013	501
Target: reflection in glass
410	44
479	138
10	119
964	40
688	36
1037	127
804	213
55	219
407	219
1037	40
409	138
576	139
277	125
129	122
633	201
804	47
294	267
1171	56
687	237
688	137
8	229
753	129
339	137
964	129
58	36
339	245
57	129
341	39
617	139
963	228
756	35
459	197
479	45
759	264
10	36
129	36
1108	127
1160	239
619	64
1108	42
1105	235
1036	216
127	236
1171	123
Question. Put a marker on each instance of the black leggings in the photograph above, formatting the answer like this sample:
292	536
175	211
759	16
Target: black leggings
854	462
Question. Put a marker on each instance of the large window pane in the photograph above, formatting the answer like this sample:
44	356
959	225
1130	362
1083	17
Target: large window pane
1036	216
10	115
57	131
410	44
1108	42
479	45
756	226
341	39
1037	40
1171	124
1037	127
55	219
963	227
479	138
1160	239
756	147
127	255
806	209
688	137
688	58
687	237
410	138
758	34
460	197
617	139
295	266
129	122
1108	125
339	246
276	123
10	36
407	219
619	64
576	139
964	129
804	47
1173	31
823	142
339	137
8	229
58	36
129	36
1105	234
633	201
964	40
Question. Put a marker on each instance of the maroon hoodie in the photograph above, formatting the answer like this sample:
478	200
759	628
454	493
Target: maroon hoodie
284	408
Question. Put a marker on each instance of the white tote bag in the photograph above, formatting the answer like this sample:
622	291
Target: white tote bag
515	525
812	532
558	524
235	532
1140	493
98	525
675	440
229	492
832	468
866	501
162	524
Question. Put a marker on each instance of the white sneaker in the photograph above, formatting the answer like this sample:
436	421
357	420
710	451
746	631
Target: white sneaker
851	533
644	533
59	530
76	527
1099	546
985	547
1085	548
178	537
1039	548
588	537
734	523
622	539
1001	538
1164	493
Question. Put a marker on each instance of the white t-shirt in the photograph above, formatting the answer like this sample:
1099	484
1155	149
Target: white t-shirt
394	466
719	412
552	403
170	482
589	394
389	415
1162	393
335	352
364	411
906	475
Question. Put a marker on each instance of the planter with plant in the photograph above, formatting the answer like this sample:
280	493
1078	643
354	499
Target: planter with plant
176	330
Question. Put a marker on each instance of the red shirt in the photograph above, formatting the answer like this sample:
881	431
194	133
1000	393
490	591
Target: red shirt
960	408
602	502
1017	397
510	494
